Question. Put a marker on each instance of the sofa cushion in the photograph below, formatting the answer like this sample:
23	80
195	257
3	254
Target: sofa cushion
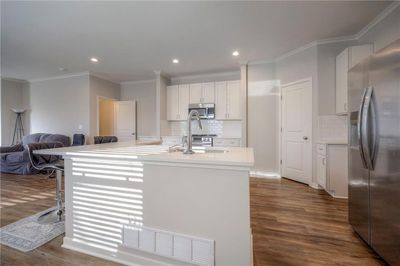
46	138
13	157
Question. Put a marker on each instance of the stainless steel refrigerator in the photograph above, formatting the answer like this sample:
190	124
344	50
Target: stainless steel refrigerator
374	151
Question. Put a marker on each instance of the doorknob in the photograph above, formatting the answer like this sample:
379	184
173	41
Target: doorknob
305	137
133	134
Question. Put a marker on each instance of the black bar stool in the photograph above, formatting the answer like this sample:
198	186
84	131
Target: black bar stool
58	214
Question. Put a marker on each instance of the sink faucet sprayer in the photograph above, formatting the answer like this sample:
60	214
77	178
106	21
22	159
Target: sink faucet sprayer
196	115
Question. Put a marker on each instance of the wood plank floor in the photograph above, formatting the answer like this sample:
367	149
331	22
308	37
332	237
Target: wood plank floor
292	225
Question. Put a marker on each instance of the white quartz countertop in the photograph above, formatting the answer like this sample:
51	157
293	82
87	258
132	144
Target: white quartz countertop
332	142
93	147
142	151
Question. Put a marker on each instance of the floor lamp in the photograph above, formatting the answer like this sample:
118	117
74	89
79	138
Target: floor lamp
19	127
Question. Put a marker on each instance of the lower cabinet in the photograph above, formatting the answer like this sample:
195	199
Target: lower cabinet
321	170
332	169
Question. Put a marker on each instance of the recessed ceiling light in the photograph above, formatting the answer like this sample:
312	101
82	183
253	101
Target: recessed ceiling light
235	53
62	69
175	61
94	59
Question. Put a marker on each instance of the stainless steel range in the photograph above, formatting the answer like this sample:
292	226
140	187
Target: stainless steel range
203	140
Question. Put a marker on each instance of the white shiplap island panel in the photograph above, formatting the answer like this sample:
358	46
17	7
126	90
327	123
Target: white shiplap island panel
179	209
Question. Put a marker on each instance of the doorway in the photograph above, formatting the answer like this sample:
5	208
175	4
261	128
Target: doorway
117	118
106	116
296	131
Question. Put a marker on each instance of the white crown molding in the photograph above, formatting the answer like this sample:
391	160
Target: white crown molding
354	37
137	81
79	74
378	19
72	75
202	76
103	77
22	81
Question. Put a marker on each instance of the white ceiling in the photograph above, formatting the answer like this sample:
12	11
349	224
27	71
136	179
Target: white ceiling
132	39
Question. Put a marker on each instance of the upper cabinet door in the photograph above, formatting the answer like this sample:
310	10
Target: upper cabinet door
195	93
342	66
172	102
344	61
220	100
208	92
233	100
183	101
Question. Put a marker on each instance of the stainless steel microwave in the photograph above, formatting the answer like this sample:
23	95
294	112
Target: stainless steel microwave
206	110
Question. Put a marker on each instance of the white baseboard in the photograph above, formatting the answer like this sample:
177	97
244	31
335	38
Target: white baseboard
264	174
118	256
315	186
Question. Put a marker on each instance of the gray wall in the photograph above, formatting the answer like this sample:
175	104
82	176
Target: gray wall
99	88
145	95
60	106
263	116
13	95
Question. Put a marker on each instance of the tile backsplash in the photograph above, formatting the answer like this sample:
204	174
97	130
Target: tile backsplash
332	127
227	129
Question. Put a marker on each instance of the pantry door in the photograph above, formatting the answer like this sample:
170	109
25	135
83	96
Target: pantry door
125	120
296	128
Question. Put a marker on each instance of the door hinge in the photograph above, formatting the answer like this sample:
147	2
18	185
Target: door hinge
281	161
281	129
281	97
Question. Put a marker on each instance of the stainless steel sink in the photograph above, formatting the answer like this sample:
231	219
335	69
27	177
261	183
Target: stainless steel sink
197	150
210	151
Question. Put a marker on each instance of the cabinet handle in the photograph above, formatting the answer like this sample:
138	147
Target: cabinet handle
345	106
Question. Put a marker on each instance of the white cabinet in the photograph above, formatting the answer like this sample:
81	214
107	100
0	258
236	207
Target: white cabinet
344	61
202	93
227	100
321	167
228	142
177	102
208	92
332	169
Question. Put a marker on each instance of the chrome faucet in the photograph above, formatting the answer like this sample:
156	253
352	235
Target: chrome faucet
196	115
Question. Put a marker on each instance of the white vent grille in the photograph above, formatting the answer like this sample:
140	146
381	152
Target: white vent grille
181	247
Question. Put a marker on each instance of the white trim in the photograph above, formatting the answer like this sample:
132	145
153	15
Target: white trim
264	174
15	80
71	75
103	78
137	82
315	186
377	19
296	82
200	76
79	74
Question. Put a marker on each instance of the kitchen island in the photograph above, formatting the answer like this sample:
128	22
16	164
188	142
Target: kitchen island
147	205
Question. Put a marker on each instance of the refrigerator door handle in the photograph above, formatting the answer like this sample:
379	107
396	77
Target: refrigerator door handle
360	131
368	131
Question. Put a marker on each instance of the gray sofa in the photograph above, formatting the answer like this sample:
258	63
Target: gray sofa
15	159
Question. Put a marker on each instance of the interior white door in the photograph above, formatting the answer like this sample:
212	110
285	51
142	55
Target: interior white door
297	131
125	120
